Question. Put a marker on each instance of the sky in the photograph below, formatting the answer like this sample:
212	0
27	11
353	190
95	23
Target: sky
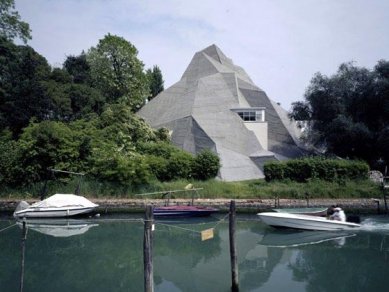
281	44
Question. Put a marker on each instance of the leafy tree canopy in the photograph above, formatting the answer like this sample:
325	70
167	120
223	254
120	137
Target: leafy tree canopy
11	26
23	94
78	68
348	112
117	72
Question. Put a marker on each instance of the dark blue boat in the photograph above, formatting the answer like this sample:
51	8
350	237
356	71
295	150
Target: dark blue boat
183	211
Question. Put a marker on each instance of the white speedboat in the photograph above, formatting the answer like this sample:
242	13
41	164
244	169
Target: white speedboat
58	205
304	222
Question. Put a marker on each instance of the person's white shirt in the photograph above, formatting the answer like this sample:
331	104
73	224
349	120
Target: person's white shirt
338	215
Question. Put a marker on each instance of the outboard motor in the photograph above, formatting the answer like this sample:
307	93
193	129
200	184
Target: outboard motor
354	219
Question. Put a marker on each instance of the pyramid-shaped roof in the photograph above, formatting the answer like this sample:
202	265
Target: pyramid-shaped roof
200	110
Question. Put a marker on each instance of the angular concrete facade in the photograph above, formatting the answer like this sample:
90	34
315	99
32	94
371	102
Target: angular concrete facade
216	106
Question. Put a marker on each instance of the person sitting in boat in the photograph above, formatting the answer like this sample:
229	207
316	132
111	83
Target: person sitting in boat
330	211
338	215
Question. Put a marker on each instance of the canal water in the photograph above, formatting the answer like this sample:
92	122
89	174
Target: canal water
106	254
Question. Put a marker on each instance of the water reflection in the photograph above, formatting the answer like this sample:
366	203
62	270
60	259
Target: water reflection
319	261
106	255
58	227
293	238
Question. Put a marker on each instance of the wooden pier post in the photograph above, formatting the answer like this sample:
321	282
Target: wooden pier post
148	250
307	199
276	202
24	237
233	255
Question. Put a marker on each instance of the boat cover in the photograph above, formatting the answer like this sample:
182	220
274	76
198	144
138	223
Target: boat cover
64	200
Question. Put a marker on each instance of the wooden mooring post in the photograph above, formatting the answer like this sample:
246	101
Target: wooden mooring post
233	254
307	199
23	245
276	202
148	250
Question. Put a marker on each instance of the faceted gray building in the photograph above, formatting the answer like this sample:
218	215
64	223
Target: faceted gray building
217	106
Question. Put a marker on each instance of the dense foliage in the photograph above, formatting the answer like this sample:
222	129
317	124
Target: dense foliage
302	170
81	117
348	113
117	72
11	26
206	165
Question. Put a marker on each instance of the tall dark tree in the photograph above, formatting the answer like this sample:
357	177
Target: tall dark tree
71	101
348	112
11	26
23	95
78	68
155	79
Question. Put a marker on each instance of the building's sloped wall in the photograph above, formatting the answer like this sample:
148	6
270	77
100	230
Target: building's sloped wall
237	166
188	135
174	103
214	99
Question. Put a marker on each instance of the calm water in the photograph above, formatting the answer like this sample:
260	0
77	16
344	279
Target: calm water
105	254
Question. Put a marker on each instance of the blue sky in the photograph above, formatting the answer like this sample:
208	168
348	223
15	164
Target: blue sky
280	43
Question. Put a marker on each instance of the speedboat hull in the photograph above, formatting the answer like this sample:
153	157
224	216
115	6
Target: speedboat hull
304	222
52	212
183	211
303	211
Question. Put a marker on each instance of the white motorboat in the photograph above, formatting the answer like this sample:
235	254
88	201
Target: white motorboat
58	205
304	222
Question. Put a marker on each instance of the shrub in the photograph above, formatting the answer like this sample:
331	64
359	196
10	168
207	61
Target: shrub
160	149
179	165
274	171
302	170
206	165
158	167
125	169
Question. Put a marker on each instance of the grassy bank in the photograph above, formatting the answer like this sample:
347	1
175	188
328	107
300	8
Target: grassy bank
210	189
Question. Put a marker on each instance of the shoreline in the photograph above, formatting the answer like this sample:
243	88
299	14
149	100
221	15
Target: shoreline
119	205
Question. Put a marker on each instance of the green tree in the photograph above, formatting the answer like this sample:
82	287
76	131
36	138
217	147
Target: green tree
8	159
206	165
11	26
155	79
60	75
348	112
47	145
117	72
23	94
78	68
71	101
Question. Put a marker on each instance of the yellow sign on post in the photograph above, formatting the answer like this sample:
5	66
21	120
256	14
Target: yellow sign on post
206	234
